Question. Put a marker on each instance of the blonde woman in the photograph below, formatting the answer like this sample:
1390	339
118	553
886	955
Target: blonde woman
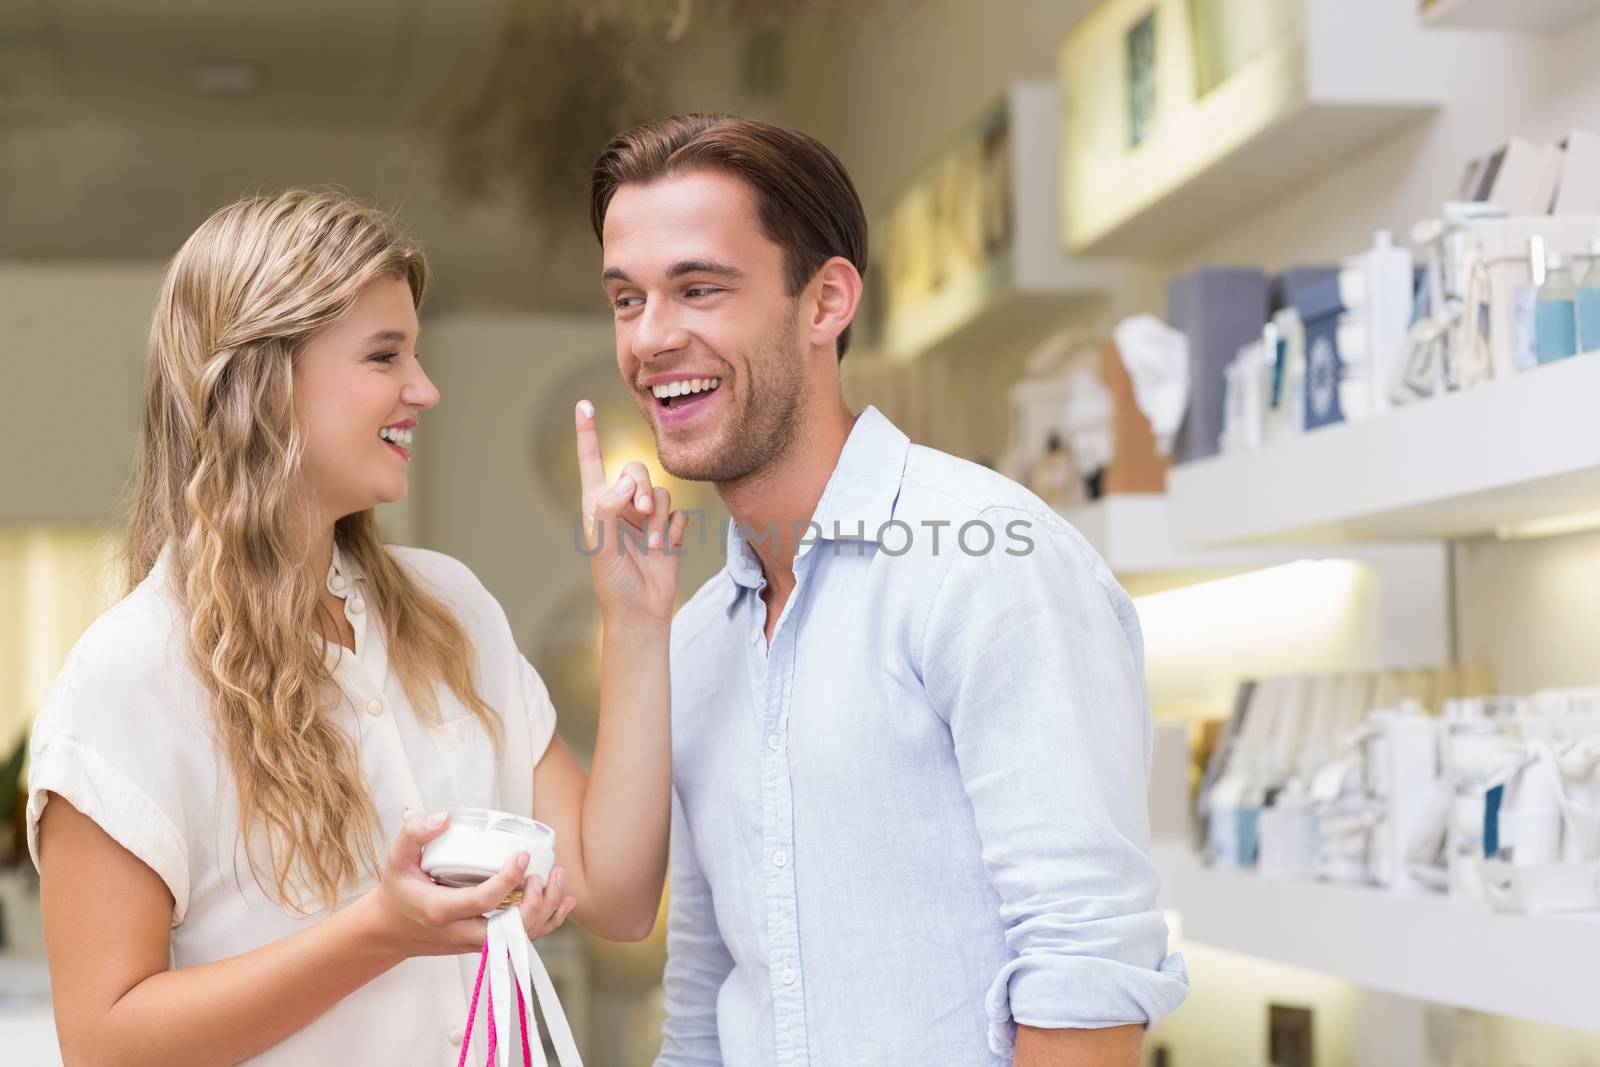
237	770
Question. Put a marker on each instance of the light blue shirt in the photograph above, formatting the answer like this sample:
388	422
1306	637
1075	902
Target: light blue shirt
918	818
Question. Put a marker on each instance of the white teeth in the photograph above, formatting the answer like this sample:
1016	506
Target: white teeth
685	386
396	435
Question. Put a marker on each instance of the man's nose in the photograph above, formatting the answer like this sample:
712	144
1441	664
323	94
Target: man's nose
657	332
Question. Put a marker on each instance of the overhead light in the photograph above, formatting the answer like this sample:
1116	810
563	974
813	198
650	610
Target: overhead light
1554	526
224	78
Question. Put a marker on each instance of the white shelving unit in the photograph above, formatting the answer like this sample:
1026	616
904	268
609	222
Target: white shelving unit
1526	966
943	288
1527	15
1497	457
1334	75
1133	534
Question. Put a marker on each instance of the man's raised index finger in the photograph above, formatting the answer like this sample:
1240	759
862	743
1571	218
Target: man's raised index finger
591	468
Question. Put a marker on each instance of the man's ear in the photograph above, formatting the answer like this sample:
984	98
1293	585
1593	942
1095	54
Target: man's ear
836	293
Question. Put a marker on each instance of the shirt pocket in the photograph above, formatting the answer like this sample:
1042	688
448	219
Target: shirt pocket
470	761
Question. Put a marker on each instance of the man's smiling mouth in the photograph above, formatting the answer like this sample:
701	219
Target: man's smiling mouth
685	392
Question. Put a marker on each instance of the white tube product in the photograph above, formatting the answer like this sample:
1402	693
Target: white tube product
1288	847
475	846
1580	769
1378	286
1406	776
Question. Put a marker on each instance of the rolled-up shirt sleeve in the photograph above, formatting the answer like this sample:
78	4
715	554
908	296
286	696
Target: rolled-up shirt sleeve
98	745
1036	662
698	961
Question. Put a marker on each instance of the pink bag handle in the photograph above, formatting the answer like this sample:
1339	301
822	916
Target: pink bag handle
472	1016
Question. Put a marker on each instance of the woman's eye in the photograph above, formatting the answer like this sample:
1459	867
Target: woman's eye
383	357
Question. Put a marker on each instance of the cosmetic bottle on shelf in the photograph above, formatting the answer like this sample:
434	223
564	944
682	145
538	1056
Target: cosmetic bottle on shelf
1555	311
1589	303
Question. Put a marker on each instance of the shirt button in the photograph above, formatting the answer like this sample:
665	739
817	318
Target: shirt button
374	707
456	1035
357	605
788	976
781	858
337	583
774	742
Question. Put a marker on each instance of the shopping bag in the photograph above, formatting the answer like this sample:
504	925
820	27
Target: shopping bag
516	973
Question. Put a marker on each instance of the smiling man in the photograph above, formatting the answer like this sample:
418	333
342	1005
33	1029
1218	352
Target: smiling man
910	733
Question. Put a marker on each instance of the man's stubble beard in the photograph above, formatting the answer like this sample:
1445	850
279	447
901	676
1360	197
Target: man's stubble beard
760	434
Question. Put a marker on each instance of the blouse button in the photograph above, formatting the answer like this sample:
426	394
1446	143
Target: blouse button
374	707
337	583
357	605
456	1035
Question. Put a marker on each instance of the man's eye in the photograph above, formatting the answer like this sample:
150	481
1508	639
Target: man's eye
623	303
701	290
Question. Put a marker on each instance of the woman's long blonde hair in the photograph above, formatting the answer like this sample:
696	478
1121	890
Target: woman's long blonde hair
221	481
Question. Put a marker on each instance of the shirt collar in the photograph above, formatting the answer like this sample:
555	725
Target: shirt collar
860	497
744	566
341	566
857	502
342	571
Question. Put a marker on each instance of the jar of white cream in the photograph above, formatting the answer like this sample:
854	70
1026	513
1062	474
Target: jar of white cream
480	841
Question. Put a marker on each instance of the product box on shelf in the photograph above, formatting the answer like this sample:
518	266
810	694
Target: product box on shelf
1220	310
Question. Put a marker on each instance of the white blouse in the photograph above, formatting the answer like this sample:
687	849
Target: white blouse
126	737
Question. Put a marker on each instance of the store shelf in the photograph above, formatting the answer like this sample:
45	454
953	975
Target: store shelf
1529	967
1535	15
1132	532
1501	456
971	259
1319	79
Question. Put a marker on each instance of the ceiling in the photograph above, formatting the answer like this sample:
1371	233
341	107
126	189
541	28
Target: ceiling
109	150
354	60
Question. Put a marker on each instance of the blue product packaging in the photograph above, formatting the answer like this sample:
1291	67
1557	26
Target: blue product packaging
1318	303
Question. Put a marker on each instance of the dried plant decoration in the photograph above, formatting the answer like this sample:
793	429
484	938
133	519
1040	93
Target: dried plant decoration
563	76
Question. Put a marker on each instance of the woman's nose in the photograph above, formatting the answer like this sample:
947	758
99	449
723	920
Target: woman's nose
420	392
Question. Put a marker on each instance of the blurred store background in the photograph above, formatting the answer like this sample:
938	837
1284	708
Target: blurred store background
1291	306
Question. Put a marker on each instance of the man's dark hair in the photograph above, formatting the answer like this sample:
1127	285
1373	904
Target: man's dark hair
805	201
